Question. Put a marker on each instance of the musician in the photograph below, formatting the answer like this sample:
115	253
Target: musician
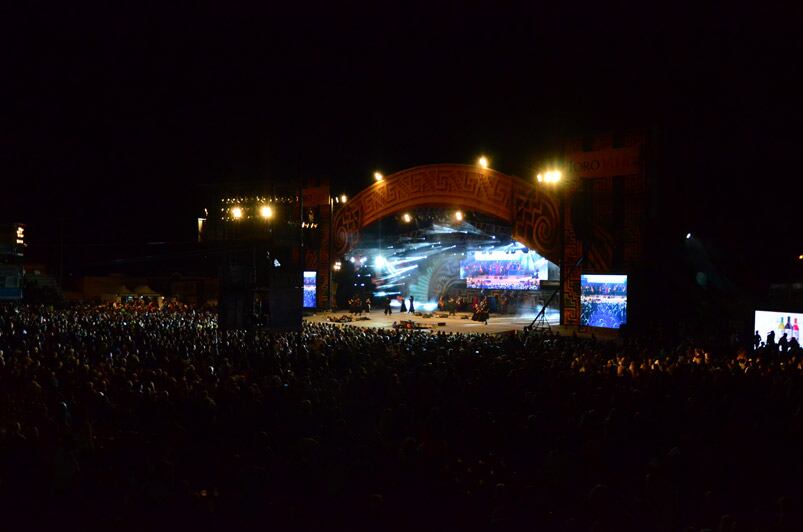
481	311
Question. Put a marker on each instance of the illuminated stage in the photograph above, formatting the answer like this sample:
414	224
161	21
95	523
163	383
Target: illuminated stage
497	323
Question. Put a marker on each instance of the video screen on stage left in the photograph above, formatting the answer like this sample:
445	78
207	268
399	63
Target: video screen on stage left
776	324
503	270
603	300
309	289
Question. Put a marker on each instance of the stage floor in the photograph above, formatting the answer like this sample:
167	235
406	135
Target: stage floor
455	324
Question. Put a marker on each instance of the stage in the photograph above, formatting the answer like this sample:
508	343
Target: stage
497	323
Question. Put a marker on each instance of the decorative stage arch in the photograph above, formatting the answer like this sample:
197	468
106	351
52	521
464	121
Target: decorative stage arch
604	209
532	211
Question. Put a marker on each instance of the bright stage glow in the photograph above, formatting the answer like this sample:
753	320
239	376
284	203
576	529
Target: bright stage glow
407	218
540	178
458	216
379	261
266	212
378	176
688	236
236	212
483	162
343	198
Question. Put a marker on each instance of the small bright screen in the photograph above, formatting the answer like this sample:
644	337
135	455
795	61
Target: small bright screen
778	323
603	300
309	289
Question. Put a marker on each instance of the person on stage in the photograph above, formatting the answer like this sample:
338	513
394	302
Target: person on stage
403	308
412	307
388	310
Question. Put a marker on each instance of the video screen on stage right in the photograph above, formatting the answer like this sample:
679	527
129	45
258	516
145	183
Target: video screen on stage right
603	300
775	324
309	289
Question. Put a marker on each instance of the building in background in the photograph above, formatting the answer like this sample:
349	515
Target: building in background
12	252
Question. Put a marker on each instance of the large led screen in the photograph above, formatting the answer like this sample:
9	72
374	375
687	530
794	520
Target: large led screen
503	270
603	300
779	323
309	289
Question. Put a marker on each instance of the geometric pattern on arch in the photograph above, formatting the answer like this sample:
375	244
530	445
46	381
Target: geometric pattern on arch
532	211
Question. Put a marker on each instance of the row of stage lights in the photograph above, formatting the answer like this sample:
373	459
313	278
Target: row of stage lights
550	176
407	217
266	212
237	212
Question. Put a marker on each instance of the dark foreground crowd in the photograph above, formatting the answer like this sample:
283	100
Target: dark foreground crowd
112	419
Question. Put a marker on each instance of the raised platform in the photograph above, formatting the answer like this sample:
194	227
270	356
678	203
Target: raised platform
454	324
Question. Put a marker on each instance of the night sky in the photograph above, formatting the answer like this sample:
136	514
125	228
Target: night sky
113	115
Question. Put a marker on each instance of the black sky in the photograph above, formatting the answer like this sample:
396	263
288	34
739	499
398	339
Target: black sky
111	115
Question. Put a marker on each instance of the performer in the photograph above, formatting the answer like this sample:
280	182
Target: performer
481	311
412	307
403	305
388	310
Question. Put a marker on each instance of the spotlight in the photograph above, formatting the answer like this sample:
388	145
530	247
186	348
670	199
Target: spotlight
378	176
550	176
266	212
483	162
379	261
458	216
236	212
343	198
688	236
407	218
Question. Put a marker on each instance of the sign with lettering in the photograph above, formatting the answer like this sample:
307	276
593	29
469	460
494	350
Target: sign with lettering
605	163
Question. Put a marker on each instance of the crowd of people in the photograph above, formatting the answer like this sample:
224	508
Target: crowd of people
144	418
603	312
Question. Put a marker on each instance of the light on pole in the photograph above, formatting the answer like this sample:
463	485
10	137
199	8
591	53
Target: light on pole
552	178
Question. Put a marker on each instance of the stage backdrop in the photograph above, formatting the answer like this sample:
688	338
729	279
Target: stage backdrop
602	200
